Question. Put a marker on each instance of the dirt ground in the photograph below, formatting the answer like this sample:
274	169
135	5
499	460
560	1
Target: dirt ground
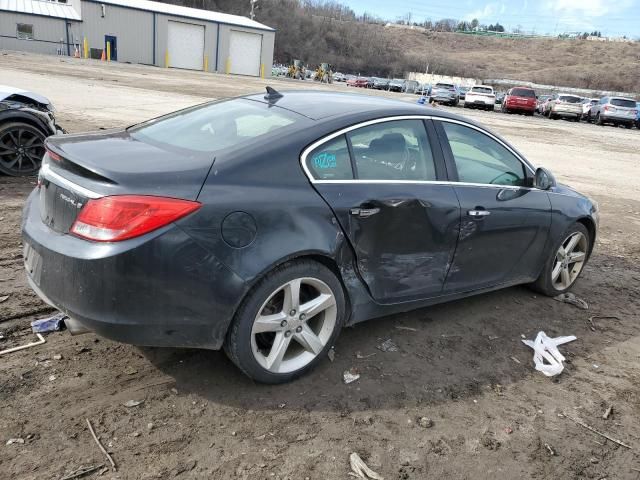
461	364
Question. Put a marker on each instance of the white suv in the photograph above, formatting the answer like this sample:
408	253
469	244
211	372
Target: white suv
480	96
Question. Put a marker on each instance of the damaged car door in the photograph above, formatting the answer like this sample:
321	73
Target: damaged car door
381	180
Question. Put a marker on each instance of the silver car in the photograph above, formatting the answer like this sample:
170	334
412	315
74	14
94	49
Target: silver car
564	105
614	110
445	93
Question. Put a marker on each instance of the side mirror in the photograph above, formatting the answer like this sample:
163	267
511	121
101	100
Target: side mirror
544	179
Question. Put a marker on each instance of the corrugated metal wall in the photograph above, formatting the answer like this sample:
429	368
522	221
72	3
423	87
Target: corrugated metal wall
48	33
133	30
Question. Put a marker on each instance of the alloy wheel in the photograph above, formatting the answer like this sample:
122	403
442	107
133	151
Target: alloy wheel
569	261
21	150
294	325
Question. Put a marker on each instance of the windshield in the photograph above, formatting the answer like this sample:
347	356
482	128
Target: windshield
569	99
482	90
214	126
523	92
623	102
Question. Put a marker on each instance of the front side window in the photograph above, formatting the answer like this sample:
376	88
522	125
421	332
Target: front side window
25	31
481	159
330	161
395	150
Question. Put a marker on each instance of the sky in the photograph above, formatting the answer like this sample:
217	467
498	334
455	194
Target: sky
611	17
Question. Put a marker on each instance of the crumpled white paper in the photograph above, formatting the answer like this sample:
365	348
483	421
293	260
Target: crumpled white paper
546	348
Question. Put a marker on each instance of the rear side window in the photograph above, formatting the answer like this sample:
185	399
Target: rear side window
330	161
523	92
215	126
396	150
480	159
623	102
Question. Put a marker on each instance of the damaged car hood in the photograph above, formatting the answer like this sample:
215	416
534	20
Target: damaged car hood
23	96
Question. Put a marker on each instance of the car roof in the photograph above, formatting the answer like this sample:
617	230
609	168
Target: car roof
317	105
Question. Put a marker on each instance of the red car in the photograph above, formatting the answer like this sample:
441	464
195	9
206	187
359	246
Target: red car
357	82
520	99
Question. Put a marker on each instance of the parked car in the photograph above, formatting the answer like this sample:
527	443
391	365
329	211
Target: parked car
380	83
339	77
614	110
587	103
564	105
540	101
520	99
396	85
423	89
499	98
445	93
361	82
462	92
269	260
638	115
410	86
26	119
480	96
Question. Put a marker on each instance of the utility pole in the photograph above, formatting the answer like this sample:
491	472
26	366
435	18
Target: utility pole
253	4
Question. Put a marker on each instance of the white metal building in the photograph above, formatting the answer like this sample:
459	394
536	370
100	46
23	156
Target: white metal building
139	31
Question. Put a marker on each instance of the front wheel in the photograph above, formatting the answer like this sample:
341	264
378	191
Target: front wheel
287	323
565	263
21	149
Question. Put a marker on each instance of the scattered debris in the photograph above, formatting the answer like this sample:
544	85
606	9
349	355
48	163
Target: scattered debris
102	449
331	354
133	403
607	412
387	346
516	360
546	348
571	299
604	435
174	390
409	329
11	441
57	357
150	426
40	341
4	298
550	449
360	470
425	422
81	472
350	376
130	370
359	356
493	337
508	430
282	405
49	324
52	378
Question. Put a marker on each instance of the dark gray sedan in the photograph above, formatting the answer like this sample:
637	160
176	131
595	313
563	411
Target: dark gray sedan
264	224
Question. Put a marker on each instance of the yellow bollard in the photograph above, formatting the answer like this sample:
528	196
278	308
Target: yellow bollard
108	51
86	47
206	63
262	70
228	66
166	58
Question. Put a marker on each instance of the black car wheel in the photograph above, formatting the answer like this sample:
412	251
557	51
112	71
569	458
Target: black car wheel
21	149
566	262
287	323
599	120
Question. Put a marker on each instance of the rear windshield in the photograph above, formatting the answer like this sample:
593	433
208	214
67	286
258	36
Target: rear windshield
623	102
569	99
445	86
214	126
523	92
482	90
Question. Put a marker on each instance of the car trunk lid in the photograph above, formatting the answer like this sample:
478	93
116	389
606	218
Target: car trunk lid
80	167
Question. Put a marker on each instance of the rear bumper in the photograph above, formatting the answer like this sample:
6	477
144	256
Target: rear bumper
479	103
520	107
161	289
612	117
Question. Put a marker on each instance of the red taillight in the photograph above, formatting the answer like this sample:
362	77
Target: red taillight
119	217
54	156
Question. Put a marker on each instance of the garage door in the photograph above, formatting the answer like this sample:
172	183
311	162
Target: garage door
245	51
186	45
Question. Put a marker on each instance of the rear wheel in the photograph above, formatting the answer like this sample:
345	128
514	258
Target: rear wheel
21	149
287	323
566	262
599	120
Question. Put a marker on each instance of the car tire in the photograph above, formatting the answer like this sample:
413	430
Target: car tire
551	282
25	149
599	120
254	334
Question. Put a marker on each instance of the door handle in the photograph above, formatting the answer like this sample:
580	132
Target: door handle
364	212
478	213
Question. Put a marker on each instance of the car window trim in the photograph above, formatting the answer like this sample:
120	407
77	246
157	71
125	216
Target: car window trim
435	119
